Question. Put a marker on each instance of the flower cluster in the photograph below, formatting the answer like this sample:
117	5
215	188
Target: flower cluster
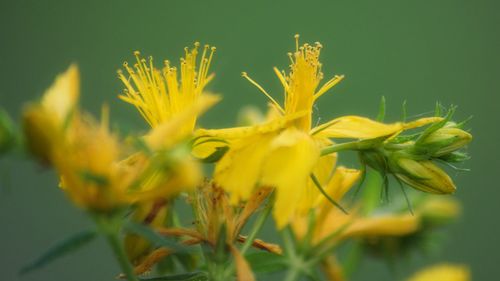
158	209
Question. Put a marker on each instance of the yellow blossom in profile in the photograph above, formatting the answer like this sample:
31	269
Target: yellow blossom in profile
285	150
442	272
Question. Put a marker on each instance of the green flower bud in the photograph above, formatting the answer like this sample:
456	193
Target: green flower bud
423	175
445	140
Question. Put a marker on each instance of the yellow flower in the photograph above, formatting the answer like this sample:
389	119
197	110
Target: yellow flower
44	122
91	161
159	95
285	150
442	272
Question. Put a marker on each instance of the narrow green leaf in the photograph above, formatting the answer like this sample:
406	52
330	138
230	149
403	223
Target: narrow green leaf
405	112
190	276
461	124
328	197
437	110
153	237
60	249
381	110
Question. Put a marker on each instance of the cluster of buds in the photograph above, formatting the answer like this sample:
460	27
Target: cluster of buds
412	159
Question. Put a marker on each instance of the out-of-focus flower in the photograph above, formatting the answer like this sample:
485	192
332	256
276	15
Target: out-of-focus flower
44	122
439	210
91	161
442	272
285	150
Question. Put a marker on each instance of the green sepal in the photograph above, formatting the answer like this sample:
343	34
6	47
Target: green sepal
94	178
436	126
216	156
60	249
455	157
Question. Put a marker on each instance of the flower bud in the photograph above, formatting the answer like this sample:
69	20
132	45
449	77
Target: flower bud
445	140
424	176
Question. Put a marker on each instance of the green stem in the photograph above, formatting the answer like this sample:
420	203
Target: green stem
110	228
352	145
339	147
327	196
121	256
293	274
257	226
295	264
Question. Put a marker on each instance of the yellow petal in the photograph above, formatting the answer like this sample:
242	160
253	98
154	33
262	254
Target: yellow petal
356	127
443	272
422	122
341	182
63	95
385	225
290	162
173	130
242	132
323	171
239	169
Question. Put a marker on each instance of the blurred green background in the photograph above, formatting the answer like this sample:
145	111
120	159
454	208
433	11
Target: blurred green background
419	51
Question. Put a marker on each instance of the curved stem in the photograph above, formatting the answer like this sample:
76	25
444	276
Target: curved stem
110	227
256	227
121	257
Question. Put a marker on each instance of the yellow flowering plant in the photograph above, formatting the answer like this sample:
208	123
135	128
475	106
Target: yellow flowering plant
167	218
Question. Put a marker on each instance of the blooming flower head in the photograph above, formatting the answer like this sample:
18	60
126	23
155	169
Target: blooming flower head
284	151
301	83
159	95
